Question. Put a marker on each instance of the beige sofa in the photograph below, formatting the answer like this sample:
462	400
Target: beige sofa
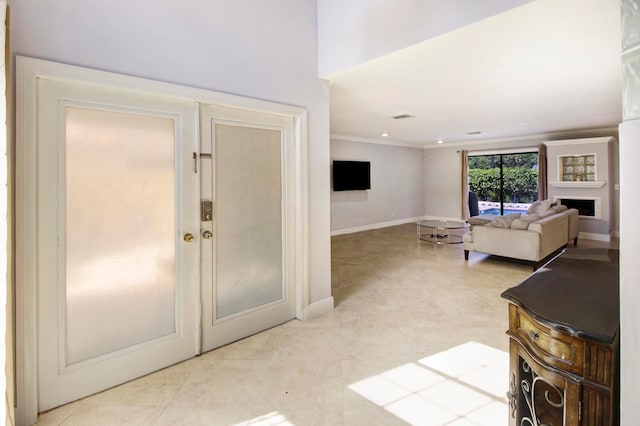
533	237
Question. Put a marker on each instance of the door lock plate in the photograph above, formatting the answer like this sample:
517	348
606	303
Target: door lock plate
206	211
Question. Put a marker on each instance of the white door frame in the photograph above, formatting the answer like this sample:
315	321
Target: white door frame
28	71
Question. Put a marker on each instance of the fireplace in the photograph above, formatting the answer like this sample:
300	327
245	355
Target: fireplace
587	207
582	177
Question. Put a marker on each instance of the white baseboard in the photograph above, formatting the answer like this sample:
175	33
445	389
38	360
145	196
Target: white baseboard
387	224
594	236
318	308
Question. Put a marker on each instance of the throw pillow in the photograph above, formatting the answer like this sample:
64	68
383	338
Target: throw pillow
523	221
504	221
546	213
559	208
539	207
532	208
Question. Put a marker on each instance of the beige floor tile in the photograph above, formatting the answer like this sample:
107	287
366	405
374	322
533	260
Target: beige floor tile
311	343
178	416
360	411
378	316
155	390
224	384
58	415
404	310
373	342
112	415
174	416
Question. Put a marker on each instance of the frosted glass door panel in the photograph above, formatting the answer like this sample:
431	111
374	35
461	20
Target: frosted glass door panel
249	218
120	227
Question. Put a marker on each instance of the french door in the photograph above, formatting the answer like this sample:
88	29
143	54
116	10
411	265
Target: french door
150	247
117	281
247	268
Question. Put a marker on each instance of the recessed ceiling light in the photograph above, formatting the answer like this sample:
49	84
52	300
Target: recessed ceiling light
440	140
475	132
384	134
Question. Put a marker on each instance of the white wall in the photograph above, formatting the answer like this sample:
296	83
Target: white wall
396	194
629	272
356	31
442	174
261	49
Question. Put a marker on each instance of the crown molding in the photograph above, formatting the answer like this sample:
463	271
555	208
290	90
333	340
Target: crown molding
546	138
347	138
581	141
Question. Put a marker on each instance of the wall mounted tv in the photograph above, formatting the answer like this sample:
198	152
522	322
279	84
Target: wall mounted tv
351	175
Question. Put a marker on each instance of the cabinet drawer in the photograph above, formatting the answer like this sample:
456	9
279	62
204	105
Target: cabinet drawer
549	345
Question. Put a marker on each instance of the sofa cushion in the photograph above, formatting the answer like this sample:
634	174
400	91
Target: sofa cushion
504	221
523	221
539	207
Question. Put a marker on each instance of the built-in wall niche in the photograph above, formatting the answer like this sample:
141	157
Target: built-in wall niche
577	168
577	171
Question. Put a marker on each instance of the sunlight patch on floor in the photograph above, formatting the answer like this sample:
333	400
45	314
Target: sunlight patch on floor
271	419
464	385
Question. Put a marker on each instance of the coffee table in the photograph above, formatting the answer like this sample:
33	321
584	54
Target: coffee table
441	231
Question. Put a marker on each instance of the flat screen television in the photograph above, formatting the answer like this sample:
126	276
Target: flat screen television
351	175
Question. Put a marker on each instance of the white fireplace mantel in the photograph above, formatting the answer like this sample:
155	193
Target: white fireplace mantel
571	184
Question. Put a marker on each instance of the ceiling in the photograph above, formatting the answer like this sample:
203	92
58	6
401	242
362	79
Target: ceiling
544	68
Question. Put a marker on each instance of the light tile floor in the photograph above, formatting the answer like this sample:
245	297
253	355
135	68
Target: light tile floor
416	337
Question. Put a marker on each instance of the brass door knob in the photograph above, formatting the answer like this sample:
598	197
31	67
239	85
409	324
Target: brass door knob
188	237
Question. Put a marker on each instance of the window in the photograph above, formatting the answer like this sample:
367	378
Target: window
505	182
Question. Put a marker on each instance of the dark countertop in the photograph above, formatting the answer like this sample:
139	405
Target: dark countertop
577	292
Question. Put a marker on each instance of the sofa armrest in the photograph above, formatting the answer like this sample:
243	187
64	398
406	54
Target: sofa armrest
574	224
553	231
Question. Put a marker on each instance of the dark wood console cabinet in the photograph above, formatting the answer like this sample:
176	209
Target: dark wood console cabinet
563	342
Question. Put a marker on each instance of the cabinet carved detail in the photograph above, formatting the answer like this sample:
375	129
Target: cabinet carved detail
512	396
545	402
